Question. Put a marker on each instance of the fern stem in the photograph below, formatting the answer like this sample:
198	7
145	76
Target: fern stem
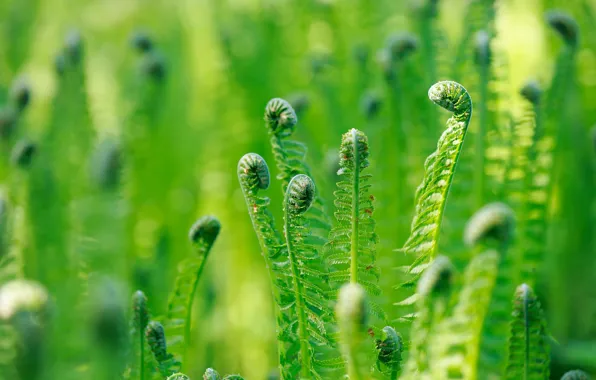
355	210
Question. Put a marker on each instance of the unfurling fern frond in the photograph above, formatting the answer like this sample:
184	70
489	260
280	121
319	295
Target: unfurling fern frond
390	349
575	374
351	246
434	288
431	195
528	346
178	376
454	348
156	338
311	304
352	317
140	319
253	174
290	157
493	227
202	235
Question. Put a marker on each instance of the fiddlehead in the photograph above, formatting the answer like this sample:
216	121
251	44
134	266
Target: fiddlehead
202	235
389	350
290	157
440	166
493	227
352	317
433	292
311	304
528	347
576	374
156	338
351	246
455	347
253	175
178	376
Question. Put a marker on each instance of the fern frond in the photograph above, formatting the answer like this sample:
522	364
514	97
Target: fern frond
156	338
253	175
140	319
311	304
432	296
211	374
492	227
390	349
575	374
528	349
455	346
202	235
431	195
178	376
290	157
351	246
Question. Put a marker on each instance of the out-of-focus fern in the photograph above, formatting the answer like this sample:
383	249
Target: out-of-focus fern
492	227
156	338
454	348
178	376
211	374
351	246
431	195
432	303
290	157
253	174
140	319
202	235
528	346
575	374
311	303
352	316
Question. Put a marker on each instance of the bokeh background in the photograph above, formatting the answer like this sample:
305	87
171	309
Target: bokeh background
222	61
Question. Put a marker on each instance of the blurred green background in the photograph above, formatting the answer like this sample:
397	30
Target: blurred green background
182	135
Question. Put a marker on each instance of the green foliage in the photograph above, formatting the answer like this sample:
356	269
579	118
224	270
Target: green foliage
107	154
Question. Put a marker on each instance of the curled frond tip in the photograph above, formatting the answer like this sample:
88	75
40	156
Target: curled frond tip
493	221
452	96
436	278
280	116
301	193
205	229
253	168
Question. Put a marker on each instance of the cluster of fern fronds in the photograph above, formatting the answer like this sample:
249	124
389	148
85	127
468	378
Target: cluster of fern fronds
400	246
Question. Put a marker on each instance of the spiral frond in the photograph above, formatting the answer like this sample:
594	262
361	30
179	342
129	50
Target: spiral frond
253	170
532	92
178	376
401	45
211	374
495	221
280	116
156	338
576	374
140	311
205	230
22	295
436	278
565	25
301	193
370	105
389	349
453	97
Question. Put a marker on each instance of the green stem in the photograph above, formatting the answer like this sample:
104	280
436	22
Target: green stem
303	333
355	210
527	336
142	347
189	305
353	365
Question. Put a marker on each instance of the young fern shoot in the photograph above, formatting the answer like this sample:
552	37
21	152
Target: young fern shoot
280	119
310	301
253	175
351	313
528	347
351	246
439	168
202	235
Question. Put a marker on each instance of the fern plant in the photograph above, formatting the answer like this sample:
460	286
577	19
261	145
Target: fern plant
350	251
431	195
178	326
